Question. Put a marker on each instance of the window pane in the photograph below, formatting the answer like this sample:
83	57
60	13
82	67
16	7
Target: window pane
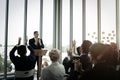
2	35
108	21
47	27
77	21
91	20
65	26
16	22
33	17
48	23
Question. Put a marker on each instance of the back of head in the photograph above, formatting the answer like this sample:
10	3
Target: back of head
97	49
85	46
54	55
114	45
109	51
22	50
101	52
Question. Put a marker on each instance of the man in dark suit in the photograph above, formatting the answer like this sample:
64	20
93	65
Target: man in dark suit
36	43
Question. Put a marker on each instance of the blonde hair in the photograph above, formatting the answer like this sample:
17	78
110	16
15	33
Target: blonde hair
54	54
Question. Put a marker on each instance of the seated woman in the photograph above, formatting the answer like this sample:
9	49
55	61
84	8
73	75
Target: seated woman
24	65
55	71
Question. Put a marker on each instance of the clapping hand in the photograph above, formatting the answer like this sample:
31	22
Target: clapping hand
26	40
73	43
19	40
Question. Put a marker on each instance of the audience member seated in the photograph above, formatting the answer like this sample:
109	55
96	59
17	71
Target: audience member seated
80	63
24	65
66	61
103	69
115	54
84	58
55	71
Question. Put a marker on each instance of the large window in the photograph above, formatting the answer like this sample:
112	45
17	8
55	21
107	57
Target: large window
48	23
47	26
77	21
91	20
33	17
65	26
15	23
2	34
108	21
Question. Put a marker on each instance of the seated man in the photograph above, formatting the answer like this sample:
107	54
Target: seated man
24	65
56	70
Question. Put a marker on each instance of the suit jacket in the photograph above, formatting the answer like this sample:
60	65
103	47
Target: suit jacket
34	46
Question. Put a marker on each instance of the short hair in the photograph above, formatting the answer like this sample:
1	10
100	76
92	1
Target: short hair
54	54
104	50
97	49
85	46
35	32
22	50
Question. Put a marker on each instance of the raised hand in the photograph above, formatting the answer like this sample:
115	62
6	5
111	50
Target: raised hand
73	43
26	40
19	40
74	46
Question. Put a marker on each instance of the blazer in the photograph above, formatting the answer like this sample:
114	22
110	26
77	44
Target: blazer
32	44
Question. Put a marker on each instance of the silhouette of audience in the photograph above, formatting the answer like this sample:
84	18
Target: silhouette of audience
84	58
66	61
100	65
103	69
24	65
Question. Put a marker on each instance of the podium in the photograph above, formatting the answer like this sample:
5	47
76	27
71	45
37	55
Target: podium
39	53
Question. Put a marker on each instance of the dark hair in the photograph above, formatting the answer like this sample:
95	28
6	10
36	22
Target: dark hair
103	50
78	50
22	50
35	32
97	49
85	46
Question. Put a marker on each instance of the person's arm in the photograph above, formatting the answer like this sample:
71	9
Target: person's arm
12	55
31	49
32	55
